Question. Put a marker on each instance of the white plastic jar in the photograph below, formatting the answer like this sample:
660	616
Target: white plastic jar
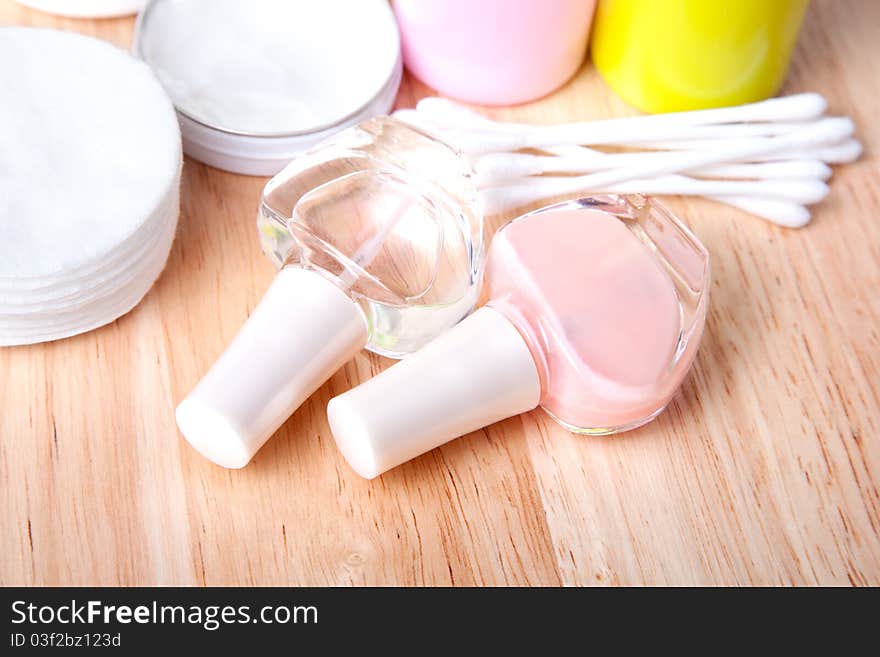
255	83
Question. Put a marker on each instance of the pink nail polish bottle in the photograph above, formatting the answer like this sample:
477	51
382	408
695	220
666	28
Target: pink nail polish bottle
595	313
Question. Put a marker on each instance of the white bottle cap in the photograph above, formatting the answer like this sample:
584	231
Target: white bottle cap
478	372
301	332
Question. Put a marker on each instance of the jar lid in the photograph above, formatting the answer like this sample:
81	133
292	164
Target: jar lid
256	83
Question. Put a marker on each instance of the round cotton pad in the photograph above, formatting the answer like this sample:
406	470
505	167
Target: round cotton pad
270	67
86	8
89	183
100	311
62	324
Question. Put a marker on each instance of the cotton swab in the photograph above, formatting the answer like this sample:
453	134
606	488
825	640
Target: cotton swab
442	115
779	170
794	168
655	164
766	158
798	107
495	168
622	135
507	136
846	151
821	132
649	133
781	212
523	192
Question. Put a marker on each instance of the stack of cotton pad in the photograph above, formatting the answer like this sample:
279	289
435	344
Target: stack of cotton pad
90	164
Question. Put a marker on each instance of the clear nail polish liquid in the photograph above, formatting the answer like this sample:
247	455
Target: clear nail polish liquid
391	216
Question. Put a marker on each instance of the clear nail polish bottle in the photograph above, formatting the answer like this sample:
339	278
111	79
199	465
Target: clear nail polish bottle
596	308
378	237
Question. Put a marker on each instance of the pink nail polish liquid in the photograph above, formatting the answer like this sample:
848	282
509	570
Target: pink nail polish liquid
596	308
604	327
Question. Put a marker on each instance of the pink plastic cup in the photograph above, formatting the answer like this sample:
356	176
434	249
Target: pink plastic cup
494	52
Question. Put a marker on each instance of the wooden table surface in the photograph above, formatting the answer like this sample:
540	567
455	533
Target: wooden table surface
764	470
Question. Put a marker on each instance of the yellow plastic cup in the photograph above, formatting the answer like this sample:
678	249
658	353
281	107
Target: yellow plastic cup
675	55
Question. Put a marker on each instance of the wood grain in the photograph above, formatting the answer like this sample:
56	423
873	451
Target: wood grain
764	470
